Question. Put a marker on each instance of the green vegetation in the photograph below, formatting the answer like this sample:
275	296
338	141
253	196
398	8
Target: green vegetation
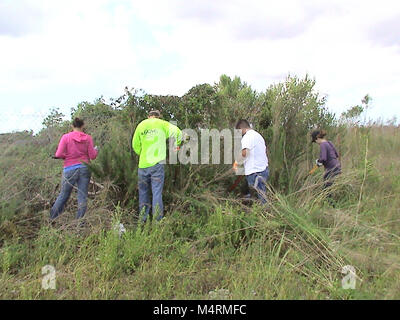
211	245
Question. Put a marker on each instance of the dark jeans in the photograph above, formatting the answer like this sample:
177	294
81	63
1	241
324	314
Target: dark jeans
151	179
329	175
328	178
258	182
79	177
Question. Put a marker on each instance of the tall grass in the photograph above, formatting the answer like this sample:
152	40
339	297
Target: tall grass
212	244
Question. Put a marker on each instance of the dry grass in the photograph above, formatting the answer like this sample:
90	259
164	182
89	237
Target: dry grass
211	240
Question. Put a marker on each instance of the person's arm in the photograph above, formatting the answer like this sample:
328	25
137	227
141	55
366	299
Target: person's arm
136	143
173	131
91	150
241	156
61	152
247	145
323	154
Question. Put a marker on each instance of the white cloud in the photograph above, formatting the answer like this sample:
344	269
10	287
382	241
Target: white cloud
69	51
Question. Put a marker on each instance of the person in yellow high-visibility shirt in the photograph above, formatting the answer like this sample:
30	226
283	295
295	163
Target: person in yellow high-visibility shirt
149	143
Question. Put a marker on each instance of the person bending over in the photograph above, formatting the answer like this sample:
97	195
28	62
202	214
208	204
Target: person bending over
328	157
254	152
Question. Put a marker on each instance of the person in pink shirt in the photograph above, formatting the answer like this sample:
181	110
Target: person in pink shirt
76	149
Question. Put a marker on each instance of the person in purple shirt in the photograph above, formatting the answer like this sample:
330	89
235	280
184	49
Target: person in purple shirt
328	157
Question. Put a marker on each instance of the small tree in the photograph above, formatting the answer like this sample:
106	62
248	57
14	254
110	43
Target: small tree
53	119
352	115
289	112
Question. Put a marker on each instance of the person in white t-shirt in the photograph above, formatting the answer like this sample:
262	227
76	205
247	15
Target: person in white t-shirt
255	157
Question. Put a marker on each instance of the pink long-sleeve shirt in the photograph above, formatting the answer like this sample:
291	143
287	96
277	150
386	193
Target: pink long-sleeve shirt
76	148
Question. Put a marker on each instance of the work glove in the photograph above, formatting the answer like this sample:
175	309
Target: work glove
96	148
318	163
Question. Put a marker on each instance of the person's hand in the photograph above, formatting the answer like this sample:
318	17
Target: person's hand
318	163
96	148
176	149
235	166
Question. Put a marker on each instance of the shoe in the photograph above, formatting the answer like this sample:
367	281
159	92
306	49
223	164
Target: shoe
82	224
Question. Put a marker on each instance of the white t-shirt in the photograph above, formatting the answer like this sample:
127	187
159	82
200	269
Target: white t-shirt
256	159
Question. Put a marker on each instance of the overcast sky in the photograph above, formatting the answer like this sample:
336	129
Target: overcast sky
56	53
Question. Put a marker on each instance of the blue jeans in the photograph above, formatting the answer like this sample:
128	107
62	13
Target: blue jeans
258	182
79	177
151	178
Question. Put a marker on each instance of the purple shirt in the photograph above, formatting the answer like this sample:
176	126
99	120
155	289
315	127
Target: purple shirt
328	156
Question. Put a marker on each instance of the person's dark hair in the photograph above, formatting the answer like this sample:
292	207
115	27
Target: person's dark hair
155	113
317	134
242	124
78	123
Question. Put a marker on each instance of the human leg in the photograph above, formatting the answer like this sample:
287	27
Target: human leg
83	185
144	190
68	181
157	184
